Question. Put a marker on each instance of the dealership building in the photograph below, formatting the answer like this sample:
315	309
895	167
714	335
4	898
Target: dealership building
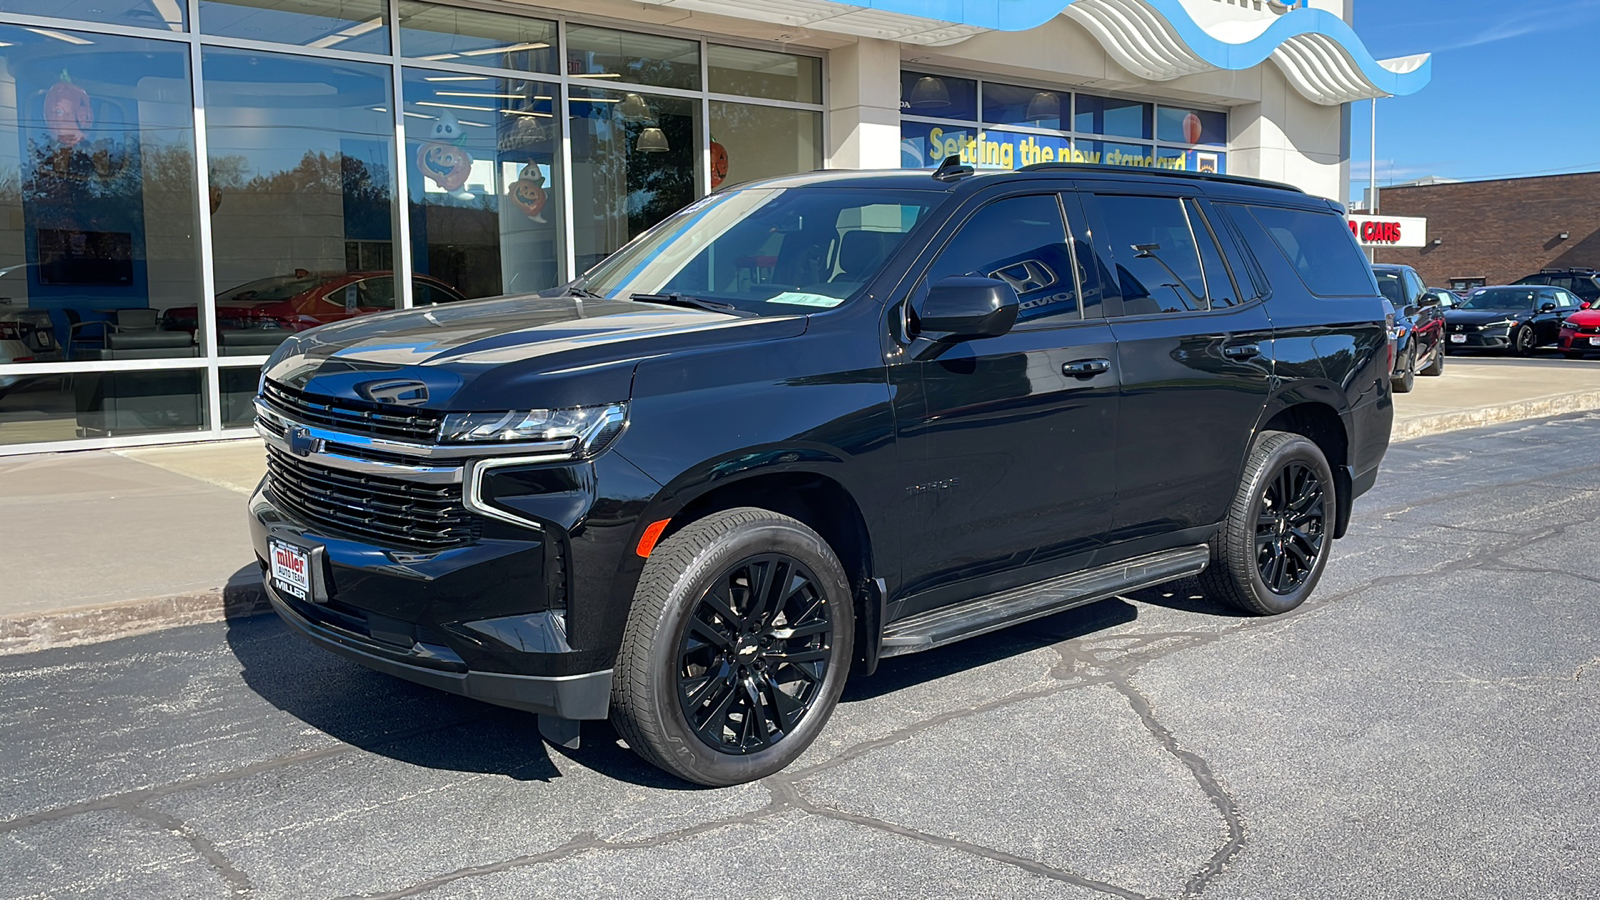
184	182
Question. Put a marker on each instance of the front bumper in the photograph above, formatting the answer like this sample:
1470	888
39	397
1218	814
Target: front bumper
585	696
1477	340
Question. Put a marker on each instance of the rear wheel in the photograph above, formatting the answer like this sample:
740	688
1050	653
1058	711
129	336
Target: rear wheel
736	648
1274	544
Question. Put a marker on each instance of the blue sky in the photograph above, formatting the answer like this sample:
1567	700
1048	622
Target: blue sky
1515	90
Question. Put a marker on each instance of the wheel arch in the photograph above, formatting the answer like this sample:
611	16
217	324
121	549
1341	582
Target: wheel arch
1321	423
812	496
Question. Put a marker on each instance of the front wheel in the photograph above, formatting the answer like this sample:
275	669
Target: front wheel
1407	379
736	648
1436	366
1274	543
1522	340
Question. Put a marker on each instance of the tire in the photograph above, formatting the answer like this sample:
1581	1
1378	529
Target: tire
1407	379
715	668
1523	340
1245	568
1436	367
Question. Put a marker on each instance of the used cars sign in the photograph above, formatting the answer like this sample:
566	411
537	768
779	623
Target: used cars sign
1389	231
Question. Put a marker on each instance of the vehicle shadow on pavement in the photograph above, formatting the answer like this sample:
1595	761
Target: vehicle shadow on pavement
1186	595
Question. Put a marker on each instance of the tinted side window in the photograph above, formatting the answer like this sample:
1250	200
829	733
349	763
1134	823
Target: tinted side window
1153	249
1414	287
1321	249
1220	288
1023	242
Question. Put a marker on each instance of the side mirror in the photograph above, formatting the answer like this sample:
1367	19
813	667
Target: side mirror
1548	307
963	308
1429	299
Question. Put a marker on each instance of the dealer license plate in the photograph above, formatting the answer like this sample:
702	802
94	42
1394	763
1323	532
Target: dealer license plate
1594	342
1458	339
291	570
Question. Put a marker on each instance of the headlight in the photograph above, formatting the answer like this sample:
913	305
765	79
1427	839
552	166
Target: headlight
1503	323
591	428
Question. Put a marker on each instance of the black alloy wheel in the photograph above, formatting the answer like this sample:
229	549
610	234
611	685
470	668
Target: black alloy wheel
1290	529
754	654
1522	340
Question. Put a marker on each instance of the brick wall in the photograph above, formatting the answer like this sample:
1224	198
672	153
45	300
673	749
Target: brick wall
1500	230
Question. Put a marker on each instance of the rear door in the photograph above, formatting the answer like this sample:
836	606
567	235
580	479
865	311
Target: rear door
1012	462
1195	357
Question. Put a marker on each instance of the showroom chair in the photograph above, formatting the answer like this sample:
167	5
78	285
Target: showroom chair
84	333
136	319
111	403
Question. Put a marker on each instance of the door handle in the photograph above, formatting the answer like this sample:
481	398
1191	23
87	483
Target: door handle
1242	351
1086	368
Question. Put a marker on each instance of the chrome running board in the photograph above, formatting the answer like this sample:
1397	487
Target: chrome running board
981	615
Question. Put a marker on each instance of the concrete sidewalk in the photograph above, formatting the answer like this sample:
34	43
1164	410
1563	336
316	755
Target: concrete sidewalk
103	544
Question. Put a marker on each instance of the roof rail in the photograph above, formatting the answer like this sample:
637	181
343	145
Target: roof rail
1101	168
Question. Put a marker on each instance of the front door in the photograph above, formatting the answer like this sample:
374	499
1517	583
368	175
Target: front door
1196	365
1012	461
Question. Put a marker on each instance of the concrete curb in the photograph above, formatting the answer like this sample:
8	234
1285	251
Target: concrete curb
1477	417
104	622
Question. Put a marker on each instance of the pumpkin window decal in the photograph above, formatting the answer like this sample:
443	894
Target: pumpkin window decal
67	111
442	158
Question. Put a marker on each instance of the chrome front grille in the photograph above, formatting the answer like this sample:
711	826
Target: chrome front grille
392	512
354	416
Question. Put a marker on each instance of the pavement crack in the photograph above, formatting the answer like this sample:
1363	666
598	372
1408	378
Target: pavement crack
1226	805
799	801
578	845
238	882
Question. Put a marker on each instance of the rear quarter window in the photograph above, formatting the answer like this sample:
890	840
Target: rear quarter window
1317	245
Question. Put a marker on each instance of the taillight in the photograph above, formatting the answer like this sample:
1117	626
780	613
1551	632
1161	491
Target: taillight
1394	344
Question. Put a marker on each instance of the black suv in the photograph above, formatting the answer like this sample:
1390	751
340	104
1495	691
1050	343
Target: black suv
819	420
1583	282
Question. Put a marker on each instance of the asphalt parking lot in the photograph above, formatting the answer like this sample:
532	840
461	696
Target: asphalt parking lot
1423	727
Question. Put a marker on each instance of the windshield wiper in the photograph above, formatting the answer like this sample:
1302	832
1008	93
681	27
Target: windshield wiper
574	290
676	299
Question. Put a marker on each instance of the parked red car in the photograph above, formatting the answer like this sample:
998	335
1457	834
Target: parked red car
1580	334
308	299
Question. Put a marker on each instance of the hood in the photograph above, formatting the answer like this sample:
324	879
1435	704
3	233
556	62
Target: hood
519	352
1484	316
1585	317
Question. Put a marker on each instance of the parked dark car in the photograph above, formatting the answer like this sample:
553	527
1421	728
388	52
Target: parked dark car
1583	282
1448	299
1514	318
820	420
1418	325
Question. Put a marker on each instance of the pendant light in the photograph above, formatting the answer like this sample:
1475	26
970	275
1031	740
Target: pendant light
652	140
1044	105
929	93
633	108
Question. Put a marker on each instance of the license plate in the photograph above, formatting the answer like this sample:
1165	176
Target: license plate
1594	342
291	570
1458	339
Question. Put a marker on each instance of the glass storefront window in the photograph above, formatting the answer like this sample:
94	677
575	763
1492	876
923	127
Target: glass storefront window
604	54
938	96
764	74
484	176
355	25
1115	118
633	162
97	181
1009	104
750	142
38	408
171	15
302	193
1191	126
474	37
1107	153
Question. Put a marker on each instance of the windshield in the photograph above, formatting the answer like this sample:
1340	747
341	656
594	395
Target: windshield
768	251
1501	298
278	287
